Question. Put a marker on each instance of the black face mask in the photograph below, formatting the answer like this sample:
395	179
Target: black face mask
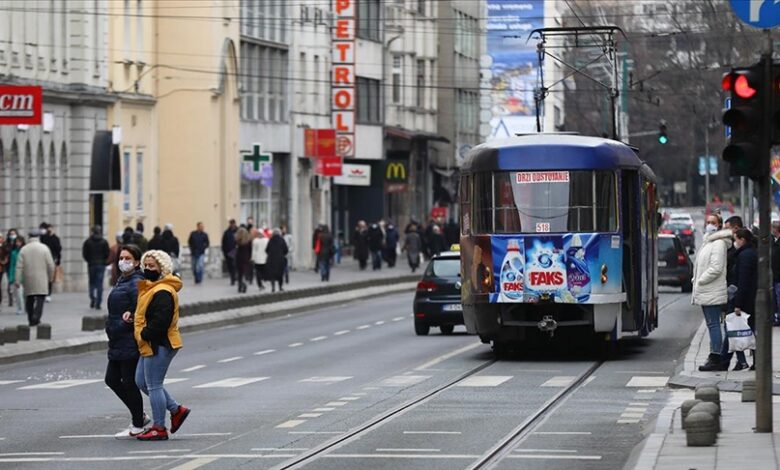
151	275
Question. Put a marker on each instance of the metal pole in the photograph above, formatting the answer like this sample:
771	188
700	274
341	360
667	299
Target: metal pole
742	197
707	164
749	221
763	359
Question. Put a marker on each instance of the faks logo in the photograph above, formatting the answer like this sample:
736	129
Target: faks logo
546	278
512	287
20	105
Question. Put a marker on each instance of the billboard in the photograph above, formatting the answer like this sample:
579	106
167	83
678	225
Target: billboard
21	105
514	65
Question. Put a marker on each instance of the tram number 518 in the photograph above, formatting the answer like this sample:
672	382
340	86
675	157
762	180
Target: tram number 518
542	227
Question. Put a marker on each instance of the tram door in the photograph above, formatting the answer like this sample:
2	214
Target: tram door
630	192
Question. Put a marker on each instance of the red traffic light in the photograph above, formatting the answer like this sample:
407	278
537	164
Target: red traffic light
726	82
742	87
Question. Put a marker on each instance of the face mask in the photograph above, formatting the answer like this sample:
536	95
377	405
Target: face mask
710	228
126	266
151	275
12	237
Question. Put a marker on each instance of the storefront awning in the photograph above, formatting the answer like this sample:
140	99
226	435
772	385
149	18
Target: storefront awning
105	171
401	133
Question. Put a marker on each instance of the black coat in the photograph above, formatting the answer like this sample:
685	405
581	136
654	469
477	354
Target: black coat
277	256
159	315
156	243
229	242
376	239
243	258
327	250
170	243
53	242
122	298
198	242
776	261
361	244
746	276
95	251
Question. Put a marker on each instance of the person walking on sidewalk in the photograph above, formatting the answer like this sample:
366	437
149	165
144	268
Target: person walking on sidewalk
156	331
122	348
709	285
746	275
198	243
14	288
391	245
229	249
259	256
376	240
274	264
325	251
139	239
171	246
156	243
243	256
288	238
34	270
52	241
413	247
95	252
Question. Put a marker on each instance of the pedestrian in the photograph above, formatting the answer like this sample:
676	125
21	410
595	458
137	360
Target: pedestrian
391	245
776	269
229	249
198	243
156	242
113	257
437	241
171	246
52	241
375	244
325	251
709	285
127	236
243	256
413	248
288	238
156	330
747	286
14	288
259	256
122	349
34	271
5	258
138	238
274	264
315	238
95	252
360	242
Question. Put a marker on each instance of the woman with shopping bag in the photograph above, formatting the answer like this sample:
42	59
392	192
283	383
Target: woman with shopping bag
744	301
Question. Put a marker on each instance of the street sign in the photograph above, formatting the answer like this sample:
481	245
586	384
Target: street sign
713	166
319	142
253	163
757	13
727	105
354	175
328	166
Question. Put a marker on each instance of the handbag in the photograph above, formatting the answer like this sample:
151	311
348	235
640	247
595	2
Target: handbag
738	331
59	274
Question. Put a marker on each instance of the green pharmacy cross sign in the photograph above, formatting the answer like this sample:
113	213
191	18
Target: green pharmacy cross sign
256	164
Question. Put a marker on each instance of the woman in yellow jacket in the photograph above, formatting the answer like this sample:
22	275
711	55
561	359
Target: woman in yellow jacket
156	323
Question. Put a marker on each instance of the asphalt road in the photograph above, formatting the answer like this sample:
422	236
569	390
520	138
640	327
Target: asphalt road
266	392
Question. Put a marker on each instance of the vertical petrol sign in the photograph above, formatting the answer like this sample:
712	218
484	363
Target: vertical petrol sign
343	77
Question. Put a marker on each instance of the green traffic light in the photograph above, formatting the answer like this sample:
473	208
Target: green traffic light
662	139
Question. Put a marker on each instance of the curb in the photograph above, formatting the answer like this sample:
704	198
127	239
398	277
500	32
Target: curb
285	304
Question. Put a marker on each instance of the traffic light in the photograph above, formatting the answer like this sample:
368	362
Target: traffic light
662	137
746	151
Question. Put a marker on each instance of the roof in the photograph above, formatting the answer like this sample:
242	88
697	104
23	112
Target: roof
552	152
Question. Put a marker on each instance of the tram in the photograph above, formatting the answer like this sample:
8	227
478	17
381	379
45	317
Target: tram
558	240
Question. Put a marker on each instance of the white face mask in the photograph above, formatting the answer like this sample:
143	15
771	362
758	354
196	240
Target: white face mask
710	228
126	266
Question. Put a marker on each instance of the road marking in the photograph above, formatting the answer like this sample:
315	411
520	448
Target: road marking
637	403
632	415
484	381
380	322
641	381
649	390
171	380
60	384
589	380
449	355
318	338
363	327
554	457
294	345
193	368
230	359
370	388
291	423
333	379
323	409
316	432
401	456
265	351
349	398
22	454
196	463
403	380
340	332
270	449
628	421
359	394
9	382
636	409
408	450
562	451
563	433
432	432
96	436
398	318
232	382
559	381
336	403
146	457
310	415
158	451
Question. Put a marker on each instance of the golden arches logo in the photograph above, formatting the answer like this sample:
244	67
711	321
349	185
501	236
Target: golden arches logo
395	171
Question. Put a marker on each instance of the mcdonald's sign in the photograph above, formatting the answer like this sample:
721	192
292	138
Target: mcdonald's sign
396	171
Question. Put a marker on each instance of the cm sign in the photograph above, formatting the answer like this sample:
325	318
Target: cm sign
757	13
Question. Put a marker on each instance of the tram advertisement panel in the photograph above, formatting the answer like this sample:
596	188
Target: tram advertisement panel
565	268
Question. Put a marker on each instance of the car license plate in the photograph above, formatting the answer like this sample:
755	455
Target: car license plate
662	264
452	308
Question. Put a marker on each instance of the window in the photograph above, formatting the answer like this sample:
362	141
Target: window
264	20
466	34
315	84
369	101
126	181
397	78
303	84
139	181
369	20
464	192
420	83
466	111
264	83
421	6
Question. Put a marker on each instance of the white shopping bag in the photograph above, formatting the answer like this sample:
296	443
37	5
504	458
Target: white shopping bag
738	331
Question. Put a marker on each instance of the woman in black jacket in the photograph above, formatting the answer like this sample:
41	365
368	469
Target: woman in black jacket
274	264
122	348
746	277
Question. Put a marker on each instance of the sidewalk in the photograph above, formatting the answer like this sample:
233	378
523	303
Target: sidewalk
737	445
213	303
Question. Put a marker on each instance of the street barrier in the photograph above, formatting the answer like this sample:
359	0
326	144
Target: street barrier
43	331
23	333
685	409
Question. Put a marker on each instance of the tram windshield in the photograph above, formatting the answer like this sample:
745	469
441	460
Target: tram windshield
547	201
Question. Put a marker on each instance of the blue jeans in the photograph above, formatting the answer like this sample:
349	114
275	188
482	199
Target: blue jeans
324	266
198	265
96	274
376	259
712	317
149	376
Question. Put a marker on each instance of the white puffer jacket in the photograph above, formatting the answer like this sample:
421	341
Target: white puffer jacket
258	250
709	271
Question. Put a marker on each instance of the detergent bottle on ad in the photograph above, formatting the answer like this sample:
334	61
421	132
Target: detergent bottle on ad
512	282
577	274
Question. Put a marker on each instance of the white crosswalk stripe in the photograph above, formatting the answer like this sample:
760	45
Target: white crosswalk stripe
232	382
194	368
9	382
60	384
230	359
333	379
645	381
559	381
171	380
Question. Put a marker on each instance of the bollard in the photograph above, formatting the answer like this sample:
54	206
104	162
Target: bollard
712	409
10	334
86	323
708	393
23	333
44	331
686	409
749	390
700	429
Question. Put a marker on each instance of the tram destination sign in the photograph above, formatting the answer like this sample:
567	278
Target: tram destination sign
542	177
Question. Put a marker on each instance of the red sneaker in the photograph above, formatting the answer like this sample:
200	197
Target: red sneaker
177	419
154	434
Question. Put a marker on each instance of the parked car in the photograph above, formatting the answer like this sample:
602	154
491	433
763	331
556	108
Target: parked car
674	265
684	231
680	218
437	300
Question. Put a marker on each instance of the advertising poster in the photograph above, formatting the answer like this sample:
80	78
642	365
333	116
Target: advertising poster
515	64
